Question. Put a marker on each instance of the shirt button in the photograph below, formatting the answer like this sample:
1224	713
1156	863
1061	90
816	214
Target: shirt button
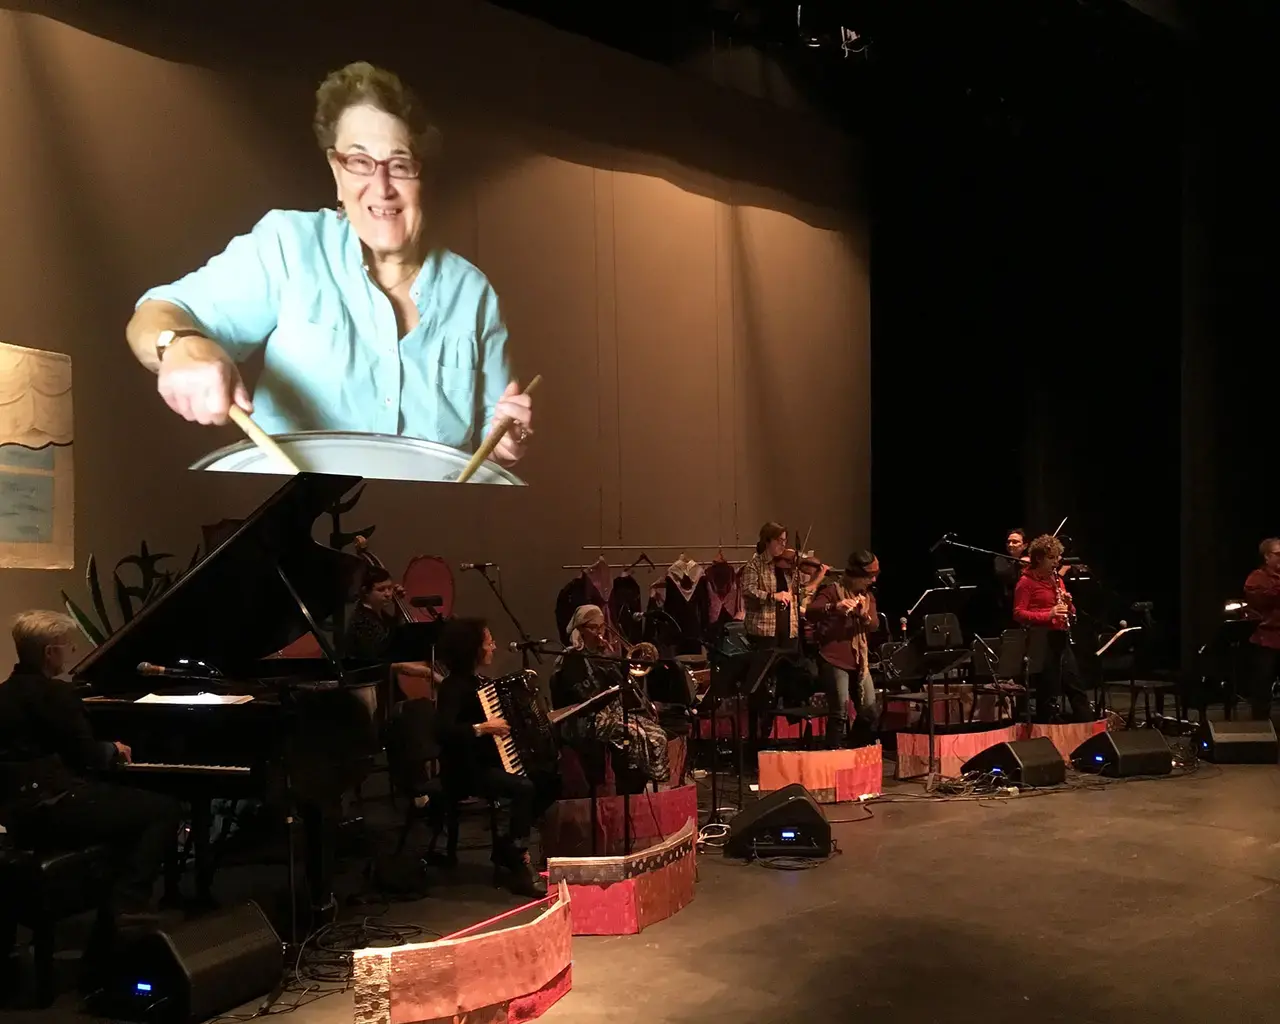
388	401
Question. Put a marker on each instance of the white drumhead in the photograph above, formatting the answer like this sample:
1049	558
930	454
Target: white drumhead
373	456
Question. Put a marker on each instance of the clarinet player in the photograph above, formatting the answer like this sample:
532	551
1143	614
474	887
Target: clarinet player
1041	601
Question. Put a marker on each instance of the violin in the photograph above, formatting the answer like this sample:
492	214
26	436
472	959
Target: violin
807	561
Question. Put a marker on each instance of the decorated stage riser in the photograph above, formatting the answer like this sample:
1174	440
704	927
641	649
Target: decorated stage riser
498	977
952	750
896	715
624	895
831	776
566	829
573	777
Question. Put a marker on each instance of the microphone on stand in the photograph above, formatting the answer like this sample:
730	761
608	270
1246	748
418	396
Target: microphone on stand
902	626
944	539
527	645
465	566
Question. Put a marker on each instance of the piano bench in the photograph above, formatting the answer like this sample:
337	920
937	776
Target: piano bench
39	889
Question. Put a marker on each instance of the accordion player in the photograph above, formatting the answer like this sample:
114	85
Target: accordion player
492	757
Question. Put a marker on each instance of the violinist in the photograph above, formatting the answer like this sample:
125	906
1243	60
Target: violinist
1008	570
1040	600
372	624
770	588
844	614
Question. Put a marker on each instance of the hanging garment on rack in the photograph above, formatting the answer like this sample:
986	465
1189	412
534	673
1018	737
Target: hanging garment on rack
601	576
723	592
573	595
687	602
624	605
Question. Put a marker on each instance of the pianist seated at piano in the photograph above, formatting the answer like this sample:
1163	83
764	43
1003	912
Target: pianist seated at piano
47	753
470	761
372	624
578	677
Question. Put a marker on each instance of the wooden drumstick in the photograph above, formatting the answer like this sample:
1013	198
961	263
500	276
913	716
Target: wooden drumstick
491	442
265	442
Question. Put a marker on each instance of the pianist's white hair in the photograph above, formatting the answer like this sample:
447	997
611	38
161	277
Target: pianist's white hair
36	630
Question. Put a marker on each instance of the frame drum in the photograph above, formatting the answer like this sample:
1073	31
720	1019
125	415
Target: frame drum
373	456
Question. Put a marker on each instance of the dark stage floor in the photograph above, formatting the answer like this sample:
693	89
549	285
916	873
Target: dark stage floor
1142	901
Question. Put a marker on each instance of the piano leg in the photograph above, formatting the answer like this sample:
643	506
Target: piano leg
202	841
320	838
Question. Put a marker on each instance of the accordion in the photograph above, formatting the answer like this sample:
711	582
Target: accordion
530	747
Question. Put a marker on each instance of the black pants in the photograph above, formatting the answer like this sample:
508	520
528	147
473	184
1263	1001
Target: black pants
1261	665
1061	677
140	827
529	798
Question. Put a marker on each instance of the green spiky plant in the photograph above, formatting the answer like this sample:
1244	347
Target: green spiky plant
152	581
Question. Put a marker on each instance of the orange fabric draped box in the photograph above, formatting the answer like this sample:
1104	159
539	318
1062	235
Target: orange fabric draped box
566	829
832	776
954	749
499	977
624	895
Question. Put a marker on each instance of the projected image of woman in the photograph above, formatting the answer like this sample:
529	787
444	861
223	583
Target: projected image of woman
366	326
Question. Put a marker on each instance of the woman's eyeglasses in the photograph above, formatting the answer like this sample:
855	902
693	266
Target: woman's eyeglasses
406	168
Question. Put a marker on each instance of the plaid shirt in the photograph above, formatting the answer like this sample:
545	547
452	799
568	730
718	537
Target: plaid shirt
759	584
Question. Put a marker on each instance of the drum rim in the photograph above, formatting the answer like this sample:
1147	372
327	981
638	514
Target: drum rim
419	443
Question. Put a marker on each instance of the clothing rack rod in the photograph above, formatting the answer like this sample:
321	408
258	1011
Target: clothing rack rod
666	547
633	568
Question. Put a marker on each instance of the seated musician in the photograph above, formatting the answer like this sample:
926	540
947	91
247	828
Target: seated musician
47	750
371	626
579	677
1041	600
844	615
469	762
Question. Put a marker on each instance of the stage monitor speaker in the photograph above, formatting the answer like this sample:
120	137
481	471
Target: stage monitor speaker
1239	742
197	971
1122	754
1033	763
786	823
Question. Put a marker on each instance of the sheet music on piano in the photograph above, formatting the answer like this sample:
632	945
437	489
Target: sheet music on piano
190	699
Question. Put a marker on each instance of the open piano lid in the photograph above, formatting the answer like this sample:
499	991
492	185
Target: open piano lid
235	607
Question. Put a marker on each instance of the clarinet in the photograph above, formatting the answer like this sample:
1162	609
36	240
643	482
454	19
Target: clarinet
1060	589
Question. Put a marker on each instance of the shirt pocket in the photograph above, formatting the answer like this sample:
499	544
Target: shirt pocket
457	381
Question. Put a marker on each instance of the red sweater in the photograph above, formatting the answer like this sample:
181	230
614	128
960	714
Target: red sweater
1262	592
1033	601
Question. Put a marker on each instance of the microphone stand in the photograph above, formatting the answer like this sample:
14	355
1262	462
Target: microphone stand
528	646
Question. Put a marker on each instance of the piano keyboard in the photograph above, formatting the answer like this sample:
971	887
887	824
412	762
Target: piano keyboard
507	751
187	769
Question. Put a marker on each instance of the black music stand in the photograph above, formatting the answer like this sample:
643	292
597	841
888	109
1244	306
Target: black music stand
1023	653
986	663
734	676
1230	639
916	661
941	601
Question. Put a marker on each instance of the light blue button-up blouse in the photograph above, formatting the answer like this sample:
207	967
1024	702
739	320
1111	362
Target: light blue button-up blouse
334	361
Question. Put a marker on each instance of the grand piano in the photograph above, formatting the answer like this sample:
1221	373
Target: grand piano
194	686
